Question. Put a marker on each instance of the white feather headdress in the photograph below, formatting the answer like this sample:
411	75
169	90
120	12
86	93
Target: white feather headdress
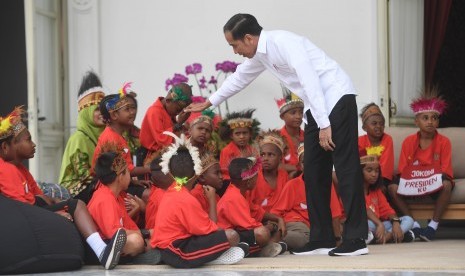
173	150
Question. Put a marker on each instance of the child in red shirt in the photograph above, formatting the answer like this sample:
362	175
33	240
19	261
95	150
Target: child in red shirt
165	114
234	210
17	183
183	232
119	112
271	179
382	219
377	140
291	109
209	181
107	203
426	147
240	128
200	131
292	206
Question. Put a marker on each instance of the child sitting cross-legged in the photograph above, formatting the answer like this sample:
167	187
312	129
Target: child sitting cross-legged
383	221
234	210
17	183
107	205
209	181
183	232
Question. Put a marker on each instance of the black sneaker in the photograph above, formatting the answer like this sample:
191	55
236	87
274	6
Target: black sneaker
110	256
354	247
416	232
283	247
409	236
151	257
244	246
427	233
315	248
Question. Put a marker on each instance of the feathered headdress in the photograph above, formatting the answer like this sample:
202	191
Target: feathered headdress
90	92
272	137
253	170
239	119
208	160
178	95
288	101
120	100
12	124
205	117
371	154
429	101
180	142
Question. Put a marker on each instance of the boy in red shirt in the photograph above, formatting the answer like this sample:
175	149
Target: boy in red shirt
271	178
291	109
209	181
200	131
17	183
107	203
292	206
425	148
234	210
183	232
240	129
119	112
375	138
165	114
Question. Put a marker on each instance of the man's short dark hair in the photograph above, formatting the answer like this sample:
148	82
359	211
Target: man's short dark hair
241	24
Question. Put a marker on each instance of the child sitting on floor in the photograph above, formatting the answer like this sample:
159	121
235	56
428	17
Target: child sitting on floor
165	114
270	179
209	181
291	111
200	131
234	210
292	206
17	183
240	129
383	221
119	112
107	205
426	150
183	232
373	123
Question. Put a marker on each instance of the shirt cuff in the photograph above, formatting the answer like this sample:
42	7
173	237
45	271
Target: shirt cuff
214	99
323	122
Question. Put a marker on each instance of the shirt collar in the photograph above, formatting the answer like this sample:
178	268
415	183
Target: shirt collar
261	46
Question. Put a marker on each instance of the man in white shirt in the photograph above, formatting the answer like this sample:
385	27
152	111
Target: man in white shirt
330	114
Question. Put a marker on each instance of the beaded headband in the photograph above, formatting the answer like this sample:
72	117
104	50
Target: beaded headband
288	101
92	96
253	170
207	160
119	163
12	124
371	154
121	99
370	111
272	137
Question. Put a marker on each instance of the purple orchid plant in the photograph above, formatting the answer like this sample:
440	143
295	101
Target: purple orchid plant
224	68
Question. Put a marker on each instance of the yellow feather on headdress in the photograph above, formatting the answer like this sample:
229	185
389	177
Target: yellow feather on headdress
5	124
378	150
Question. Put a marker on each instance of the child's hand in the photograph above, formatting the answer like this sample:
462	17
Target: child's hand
183	116
209	192
131	203
282	227
397	234
65	215
380	234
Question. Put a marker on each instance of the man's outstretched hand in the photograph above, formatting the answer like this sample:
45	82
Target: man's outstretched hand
197	107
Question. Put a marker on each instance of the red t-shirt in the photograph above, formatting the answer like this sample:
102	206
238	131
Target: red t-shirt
232	151
155	122
292	157
263	195
234	211
151	209
109	212
377	202
386	160
109	135
438	152
292	204
179	216
17	183
198	193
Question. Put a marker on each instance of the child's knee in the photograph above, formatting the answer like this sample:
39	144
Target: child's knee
447	186
262	235
232	236
134	244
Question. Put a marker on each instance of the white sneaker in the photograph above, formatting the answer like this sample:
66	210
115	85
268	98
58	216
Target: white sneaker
370	238
271	250
230	256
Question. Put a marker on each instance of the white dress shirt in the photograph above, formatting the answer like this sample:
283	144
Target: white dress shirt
301	66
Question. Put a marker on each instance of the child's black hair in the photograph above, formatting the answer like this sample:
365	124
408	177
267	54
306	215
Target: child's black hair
103	168
103	107
379	182
237	166
181	164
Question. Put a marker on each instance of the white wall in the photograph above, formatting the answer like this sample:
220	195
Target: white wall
148	41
